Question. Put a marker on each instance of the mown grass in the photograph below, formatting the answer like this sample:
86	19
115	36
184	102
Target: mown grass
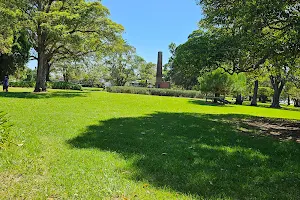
98	145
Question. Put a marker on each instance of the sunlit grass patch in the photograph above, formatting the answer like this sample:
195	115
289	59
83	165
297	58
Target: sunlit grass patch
97	145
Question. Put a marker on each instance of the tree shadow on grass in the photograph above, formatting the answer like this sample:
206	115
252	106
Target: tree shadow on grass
31	95
208	103
283	107
202	155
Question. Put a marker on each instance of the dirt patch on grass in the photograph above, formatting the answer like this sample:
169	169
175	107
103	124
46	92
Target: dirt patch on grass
278	128
8	180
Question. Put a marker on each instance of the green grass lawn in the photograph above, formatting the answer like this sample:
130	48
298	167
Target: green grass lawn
98	145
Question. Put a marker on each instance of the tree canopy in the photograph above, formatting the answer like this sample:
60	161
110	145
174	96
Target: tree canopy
18	56
60	29
245	36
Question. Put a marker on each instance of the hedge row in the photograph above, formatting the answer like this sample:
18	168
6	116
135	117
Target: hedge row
23	84
156	91
66	86
53	85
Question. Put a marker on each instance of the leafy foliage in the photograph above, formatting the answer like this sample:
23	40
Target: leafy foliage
121	65
239	83
216	82
270	41
295	94
146	71
190	60
17	58
10	16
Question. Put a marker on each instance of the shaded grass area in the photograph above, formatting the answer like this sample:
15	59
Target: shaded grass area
200	154
31	95
283	107
202	102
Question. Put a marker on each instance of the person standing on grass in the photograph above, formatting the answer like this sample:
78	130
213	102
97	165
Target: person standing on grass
5	83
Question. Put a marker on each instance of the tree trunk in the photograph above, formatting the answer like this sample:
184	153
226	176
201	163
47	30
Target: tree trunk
217	95
276	99
47	71
41	72
297	102
66	74
263	99
277	85
255	92
239	100
289	100
66	77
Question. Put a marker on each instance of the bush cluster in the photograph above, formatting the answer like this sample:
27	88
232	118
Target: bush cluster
66	86
53	85
156	91
97	85
23	84
264	93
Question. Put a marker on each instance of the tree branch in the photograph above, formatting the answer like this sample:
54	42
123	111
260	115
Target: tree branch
33	58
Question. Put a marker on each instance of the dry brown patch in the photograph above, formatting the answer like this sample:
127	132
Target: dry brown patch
278	128
7	181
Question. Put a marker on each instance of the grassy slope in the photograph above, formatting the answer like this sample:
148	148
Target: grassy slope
90	145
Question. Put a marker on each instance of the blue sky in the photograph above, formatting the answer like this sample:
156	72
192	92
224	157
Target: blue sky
150	26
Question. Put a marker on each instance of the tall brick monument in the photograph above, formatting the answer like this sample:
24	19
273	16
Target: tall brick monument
159	77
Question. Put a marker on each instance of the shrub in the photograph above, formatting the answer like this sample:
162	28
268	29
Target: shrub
53	85
23	84
95	85
295	93
4	134
49	84
155	91
66	86
264	93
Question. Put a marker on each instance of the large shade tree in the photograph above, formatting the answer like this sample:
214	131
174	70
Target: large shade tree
191	59
270	26
65	27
